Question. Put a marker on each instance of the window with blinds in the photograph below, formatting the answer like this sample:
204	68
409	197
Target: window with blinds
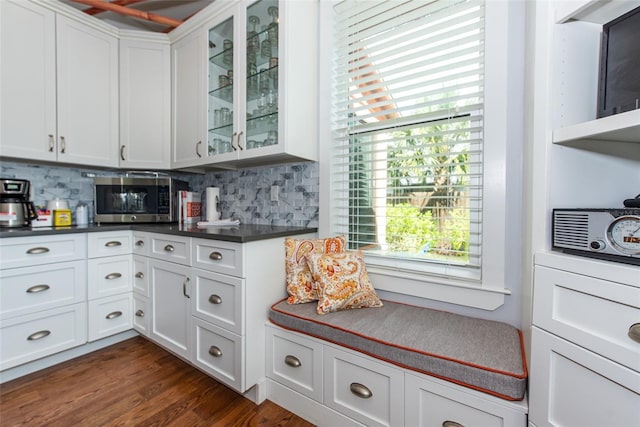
407	113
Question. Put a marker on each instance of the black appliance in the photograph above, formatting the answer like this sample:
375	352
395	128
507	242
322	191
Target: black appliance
15	208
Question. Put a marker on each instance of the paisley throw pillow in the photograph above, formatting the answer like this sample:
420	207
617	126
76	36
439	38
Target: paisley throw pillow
342	281
300	286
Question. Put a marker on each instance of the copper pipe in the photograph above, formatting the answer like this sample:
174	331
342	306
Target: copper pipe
122	10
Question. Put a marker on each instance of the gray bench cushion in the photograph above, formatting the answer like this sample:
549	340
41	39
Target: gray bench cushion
481	354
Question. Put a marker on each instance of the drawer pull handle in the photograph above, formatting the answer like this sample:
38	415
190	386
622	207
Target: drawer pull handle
634	332
215	299
139	275
215	351
216	256
113	276
292	361
113	315
39	250
360	390
38	335
169	248
451	424
140	313
113	244
37	288
140	243
184	287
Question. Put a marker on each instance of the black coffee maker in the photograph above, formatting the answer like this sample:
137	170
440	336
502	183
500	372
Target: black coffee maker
15	208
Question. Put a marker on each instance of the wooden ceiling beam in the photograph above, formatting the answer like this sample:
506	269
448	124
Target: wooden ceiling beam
122	10
95	10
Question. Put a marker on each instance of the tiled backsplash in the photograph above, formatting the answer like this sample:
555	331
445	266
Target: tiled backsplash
244	194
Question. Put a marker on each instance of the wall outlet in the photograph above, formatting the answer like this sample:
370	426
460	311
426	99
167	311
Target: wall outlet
274	193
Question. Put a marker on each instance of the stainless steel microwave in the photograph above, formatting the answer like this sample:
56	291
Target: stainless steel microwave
136	199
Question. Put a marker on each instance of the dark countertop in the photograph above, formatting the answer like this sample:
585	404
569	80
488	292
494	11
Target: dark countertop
241	234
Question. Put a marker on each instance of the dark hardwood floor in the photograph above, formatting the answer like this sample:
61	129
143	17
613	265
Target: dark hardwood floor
132	383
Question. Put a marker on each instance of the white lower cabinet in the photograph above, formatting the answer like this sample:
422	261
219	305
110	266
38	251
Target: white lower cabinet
141	314
331	385
171	319
30	337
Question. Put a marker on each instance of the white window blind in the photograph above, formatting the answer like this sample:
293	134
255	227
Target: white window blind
407	115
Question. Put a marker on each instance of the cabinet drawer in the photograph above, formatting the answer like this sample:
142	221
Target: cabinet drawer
594	313
108	243
218	299
27	338
31	289
431	402
219	256
141	275
141	314
109	315
29	251
295	361
170	248
367	391
109	276
140	243
219	353
570	386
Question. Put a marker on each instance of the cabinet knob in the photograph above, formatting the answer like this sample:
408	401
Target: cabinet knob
169	248
197	149
37	288
360	390
140	313
216	256
139	275
113	244
292	361
215	351
449	423
113	315
140	243
36	251
38	335
112	276
215	299
634	332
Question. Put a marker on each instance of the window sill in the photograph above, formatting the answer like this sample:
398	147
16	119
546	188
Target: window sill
469	294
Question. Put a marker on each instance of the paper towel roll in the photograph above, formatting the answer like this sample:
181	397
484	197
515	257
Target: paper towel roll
213	203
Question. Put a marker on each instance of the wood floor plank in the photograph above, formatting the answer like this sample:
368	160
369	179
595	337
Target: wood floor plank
131	383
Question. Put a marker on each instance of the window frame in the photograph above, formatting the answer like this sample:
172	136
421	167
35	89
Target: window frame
502	178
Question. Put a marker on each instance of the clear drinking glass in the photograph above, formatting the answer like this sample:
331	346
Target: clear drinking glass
253	42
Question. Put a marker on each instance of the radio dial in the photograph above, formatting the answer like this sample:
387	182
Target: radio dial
597	245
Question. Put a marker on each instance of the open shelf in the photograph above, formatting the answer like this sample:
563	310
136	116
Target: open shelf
619	127
596	11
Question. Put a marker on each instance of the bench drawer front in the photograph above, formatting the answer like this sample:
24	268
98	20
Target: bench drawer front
594	313
295	361
367	391
30	337
30	289
218	256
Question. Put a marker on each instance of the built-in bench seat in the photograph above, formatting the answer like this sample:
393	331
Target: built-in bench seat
481	354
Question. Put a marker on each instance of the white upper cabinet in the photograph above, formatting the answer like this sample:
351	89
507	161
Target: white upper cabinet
27	81
145	104
259	84
59	88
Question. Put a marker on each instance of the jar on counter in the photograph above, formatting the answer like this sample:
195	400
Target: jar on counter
82	214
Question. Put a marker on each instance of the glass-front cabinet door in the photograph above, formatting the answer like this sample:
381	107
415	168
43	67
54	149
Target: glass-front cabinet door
262	59
221	105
